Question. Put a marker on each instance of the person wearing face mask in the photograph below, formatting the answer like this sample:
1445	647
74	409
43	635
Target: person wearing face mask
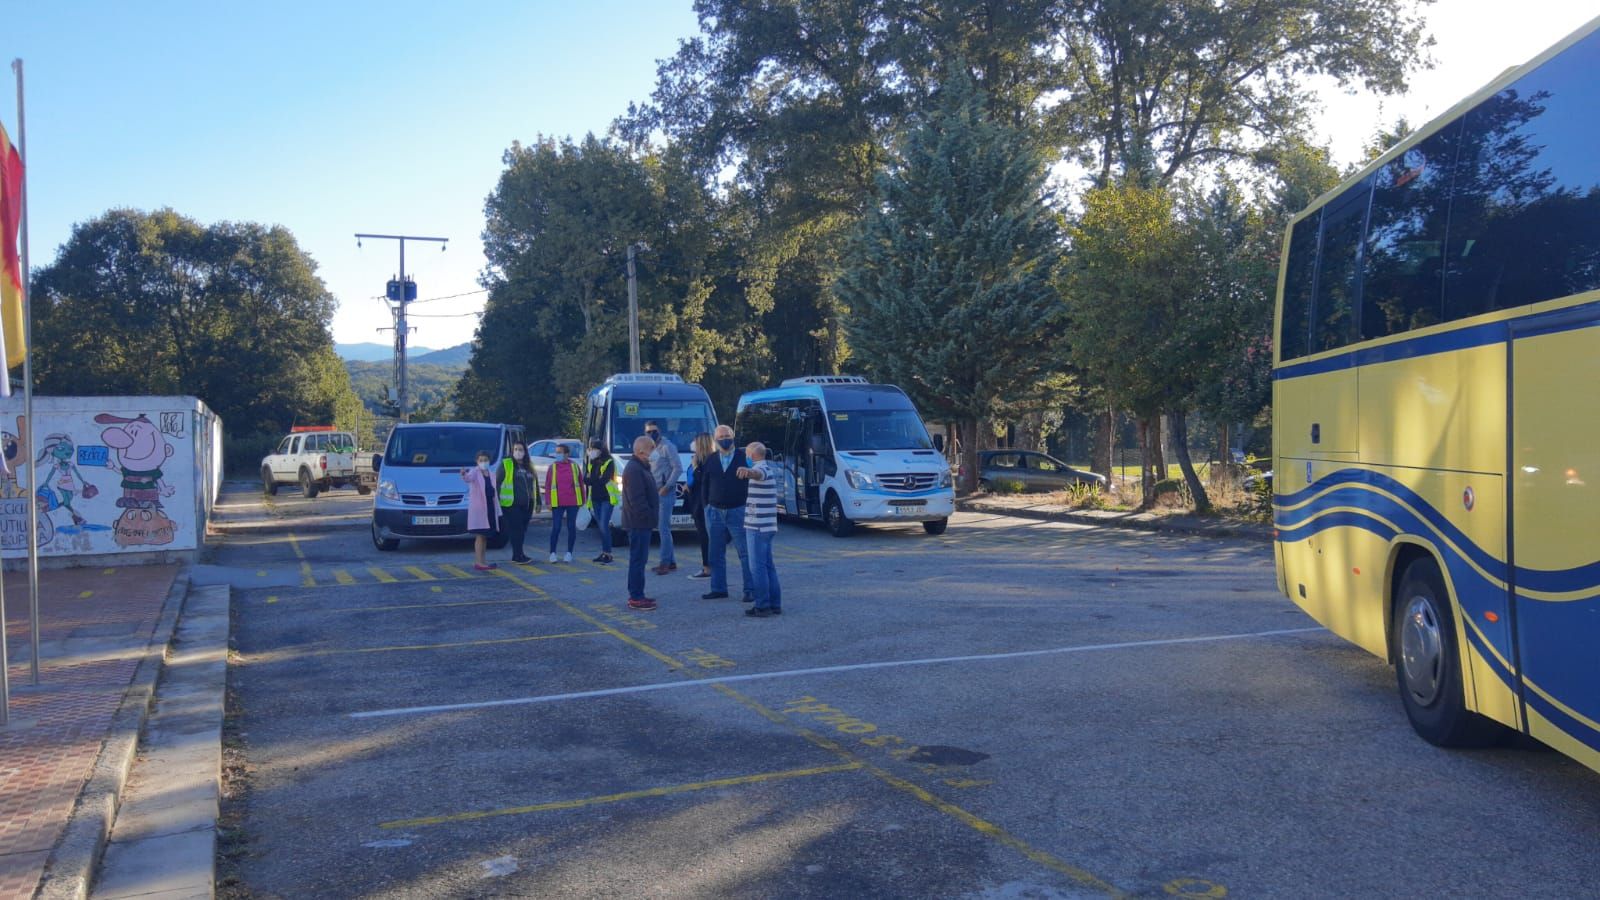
518	496
726	495
665	468
694	501
483	510
599	474
563	484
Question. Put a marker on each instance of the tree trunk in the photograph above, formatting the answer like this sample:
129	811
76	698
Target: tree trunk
969	455
1147	483
1101	464
1180	447
1158	443
1224	470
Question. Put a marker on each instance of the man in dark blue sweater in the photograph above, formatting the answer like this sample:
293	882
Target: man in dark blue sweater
726	493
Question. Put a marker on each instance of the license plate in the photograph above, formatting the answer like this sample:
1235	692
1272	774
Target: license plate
682	520
430	520
908	510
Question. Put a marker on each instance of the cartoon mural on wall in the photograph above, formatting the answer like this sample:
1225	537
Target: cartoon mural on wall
115	493
141	452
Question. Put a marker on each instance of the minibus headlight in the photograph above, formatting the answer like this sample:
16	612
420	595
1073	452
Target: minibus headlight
858	479
946	479
386	491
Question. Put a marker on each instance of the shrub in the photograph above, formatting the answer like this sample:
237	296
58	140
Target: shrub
1087	495
1006	486
241	454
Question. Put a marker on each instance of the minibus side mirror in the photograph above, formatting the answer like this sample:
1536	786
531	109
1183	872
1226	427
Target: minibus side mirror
938	442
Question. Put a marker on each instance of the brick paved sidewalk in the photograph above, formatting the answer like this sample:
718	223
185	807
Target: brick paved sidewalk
95	625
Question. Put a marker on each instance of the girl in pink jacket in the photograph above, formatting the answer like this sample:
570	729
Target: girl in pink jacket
483	510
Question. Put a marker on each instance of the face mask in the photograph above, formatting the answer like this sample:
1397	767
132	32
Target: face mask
517	454
484	465
561	457
594	454
653	435
725	443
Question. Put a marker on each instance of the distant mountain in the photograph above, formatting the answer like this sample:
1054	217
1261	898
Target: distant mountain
453	358
370	352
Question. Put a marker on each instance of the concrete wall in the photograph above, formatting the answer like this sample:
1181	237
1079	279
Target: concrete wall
114	476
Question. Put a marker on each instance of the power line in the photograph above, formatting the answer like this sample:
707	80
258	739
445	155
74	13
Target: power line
453	296
444	315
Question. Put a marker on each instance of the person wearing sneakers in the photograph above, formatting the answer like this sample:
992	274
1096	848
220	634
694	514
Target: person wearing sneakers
483	510
726	496
666	468
640	501
599	473
518	498
563	484
760	527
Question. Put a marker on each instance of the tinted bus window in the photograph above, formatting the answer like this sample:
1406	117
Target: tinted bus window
1295	328
1403	287
680	421
1525	226
1338	272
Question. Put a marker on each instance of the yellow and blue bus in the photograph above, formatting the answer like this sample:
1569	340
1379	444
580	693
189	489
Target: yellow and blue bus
1436	399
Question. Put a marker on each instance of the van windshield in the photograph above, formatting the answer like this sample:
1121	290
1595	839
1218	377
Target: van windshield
680	421
878	429
444	446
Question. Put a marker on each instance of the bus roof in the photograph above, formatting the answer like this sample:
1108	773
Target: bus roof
1500	83
852	395
651	390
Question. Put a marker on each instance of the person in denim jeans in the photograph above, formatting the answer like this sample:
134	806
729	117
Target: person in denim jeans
726	494
599	474
640	500
760	528
666	468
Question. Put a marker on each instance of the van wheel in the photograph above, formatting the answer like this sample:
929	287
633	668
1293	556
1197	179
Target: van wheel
387	545
936	527
268	486
833	514
1428	663
307	486
363	489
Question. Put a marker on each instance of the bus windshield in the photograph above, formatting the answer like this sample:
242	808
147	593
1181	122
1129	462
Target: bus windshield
444	446
878	429
680	422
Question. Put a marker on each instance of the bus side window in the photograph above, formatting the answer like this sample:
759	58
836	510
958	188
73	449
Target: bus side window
1338	291
1294	333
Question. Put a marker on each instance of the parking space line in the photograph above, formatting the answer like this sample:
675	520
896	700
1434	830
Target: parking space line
625	638
343	577
515	640
818	670
403	606
624	796
454	571
383	576
419	574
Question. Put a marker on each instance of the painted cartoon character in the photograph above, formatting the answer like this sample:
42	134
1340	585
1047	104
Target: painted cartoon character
141	452
63	481
15	455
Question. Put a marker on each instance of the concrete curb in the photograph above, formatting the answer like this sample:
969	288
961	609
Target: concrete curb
1134	521
70	870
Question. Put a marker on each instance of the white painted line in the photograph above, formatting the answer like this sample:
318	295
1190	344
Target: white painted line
821	670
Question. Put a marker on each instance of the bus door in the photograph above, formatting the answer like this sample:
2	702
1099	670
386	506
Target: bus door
1555	514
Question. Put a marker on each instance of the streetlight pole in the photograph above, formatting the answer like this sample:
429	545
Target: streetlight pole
400	329
633	307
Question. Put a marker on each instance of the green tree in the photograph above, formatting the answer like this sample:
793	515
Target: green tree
156	303
950	279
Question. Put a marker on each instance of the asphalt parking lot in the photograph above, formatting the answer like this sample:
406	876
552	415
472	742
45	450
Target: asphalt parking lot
1013	709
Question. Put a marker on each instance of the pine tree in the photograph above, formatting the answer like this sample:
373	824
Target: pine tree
950	277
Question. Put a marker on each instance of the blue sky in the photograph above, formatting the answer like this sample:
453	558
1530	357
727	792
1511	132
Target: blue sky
333	118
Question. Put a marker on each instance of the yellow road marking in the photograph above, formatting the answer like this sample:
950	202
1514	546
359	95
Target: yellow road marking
455	571
109	572
515	640
982	826
419	574
295	543
261	573
86	595
625	638
272	598
382	576
401	606
437	590
343	577
626	795
305	576
529	567
586	580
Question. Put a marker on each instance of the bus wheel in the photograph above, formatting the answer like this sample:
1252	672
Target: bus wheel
833	514
1428	663
936	527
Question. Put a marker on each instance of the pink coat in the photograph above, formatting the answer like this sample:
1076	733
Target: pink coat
480	486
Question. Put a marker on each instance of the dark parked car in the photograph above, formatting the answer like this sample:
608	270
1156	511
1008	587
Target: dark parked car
1036	472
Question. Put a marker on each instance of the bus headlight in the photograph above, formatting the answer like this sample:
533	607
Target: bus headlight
859	480
386	491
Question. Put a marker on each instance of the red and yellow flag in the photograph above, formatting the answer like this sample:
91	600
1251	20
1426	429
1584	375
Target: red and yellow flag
11	273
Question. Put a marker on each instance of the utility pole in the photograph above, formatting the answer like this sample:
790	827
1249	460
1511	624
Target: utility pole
401	331
633	307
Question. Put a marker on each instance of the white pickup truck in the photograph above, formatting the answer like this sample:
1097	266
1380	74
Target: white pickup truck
317	460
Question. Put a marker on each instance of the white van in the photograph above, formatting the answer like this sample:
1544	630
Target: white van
850	452
420	491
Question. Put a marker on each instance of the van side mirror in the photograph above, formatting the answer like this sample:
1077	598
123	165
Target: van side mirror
377	461
938	442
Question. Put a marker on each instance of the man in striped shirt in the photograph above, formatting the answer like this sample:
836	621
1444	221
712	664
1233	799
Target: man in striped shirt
760	527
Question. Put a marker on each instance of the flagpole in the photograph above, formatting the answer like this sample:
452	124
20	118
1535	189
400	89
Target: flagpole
27	391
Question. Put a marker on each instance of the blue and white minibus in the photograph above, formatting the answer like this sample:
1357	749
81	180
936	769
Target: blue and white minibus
619	408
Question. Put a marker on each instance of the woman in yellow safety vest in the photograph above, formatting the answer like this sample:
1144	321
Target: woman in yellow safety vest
519	496
563	484
600	476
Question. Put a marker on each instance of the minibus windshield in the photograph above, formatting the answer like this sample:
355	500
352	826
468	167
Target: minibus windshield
680	421
878	429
